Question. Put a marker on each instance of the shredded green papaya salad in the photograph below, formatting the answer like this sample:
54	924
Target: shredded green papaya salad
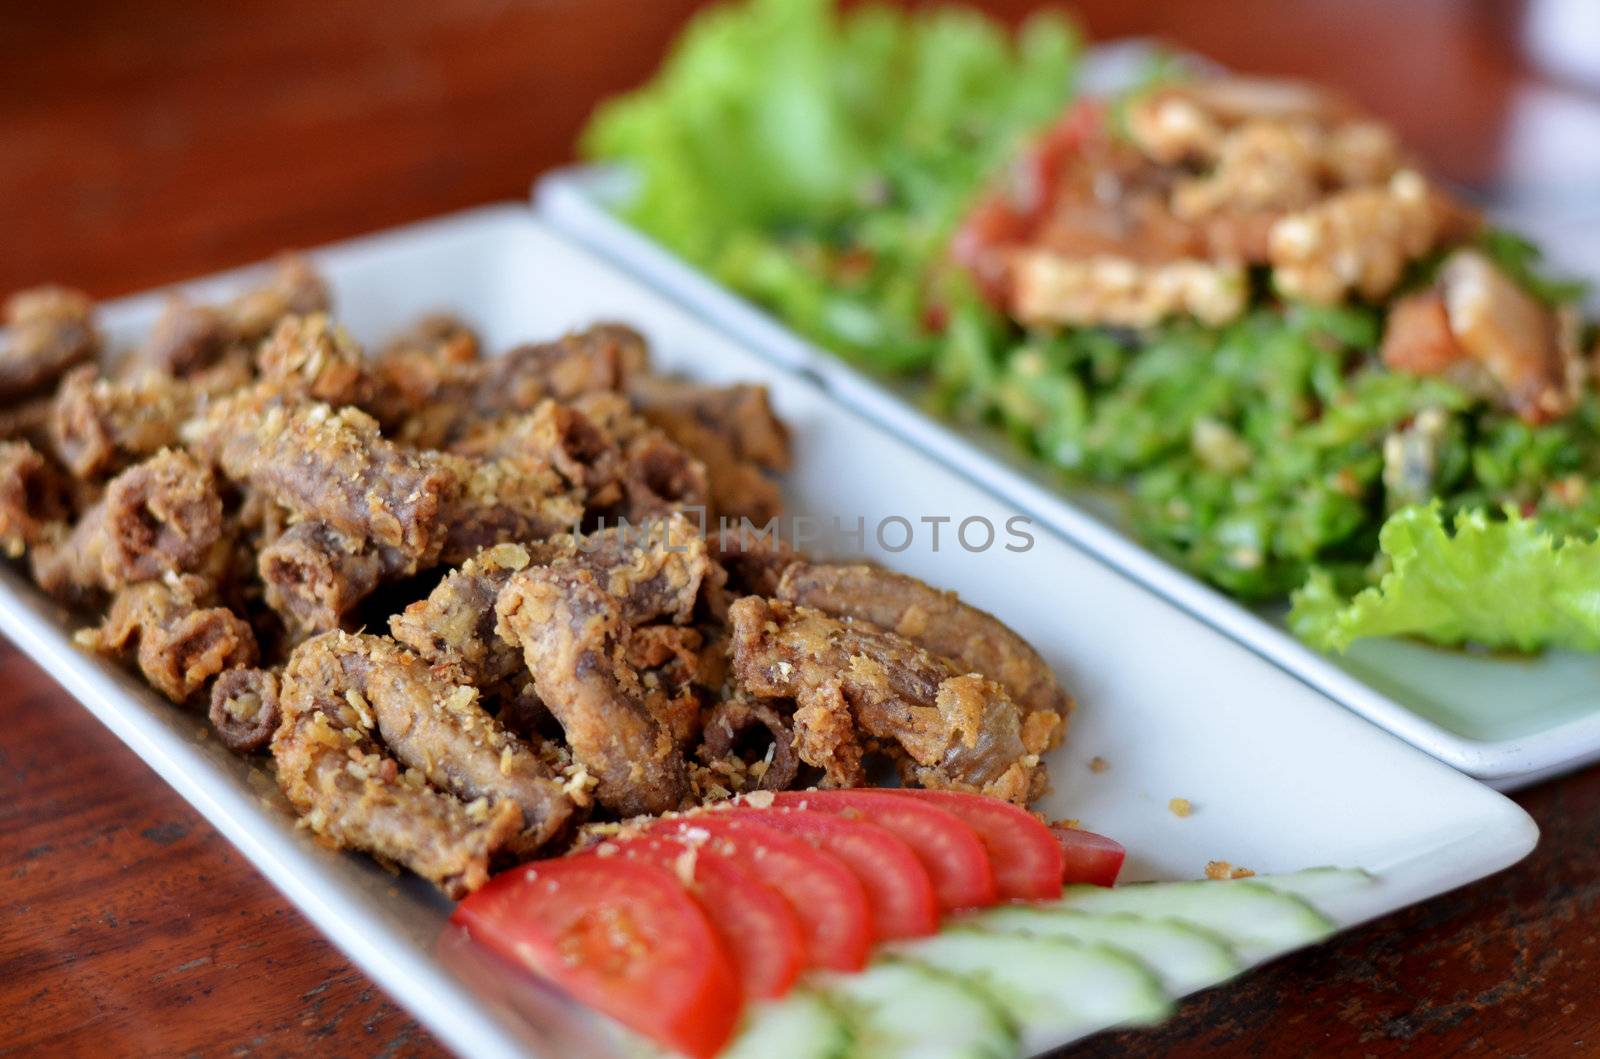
1311	372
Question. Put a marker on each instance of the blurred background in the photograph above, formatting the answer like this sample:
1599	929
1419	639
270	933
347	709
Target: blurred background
144	142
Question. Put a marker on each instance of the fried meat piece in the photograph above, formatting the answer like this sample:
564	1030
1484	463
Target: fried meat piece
35	498
435	407
938	622
576	619
503	499
429	722
586	454
574	641
1360	240
740	416
769	763
455	624
29	421
349	790
51	331
314	358
660	477
333	466
857	685
440	337
157	518
1478	327
244	708
182	641
1051	289
314	575
735	487
187	336
294	289
98	425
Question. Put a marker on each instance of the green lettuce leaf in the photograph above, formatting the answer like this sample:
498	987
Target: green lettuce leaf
1501	583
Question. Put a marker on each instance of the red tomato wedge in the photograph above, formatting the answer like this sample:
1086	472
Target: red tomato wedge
1090	858
898	889
758	928
620	935
829	900
949	850
1027	859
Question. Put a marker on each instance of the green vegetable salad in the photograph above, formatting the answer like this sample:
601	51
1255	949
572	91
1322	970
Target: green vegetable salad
819	162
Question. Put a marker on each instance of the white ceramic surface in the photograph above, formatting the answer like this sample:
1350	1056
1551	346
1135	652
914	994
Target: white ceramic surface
1280	777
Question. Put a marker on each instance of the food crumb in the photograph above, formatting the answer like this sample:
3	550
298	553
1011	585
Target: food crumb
1180	807
1098	764
1068	823
1221	869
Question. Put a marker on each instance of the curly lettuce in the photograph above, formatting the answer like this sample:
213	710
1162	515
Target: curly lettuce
1499	583
817	160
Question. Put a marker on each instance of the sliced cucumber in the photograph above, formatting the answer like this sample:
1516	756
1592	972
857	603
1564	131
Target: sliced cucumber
897	1009
1256	920
1316	884
803	1025
1054	990
1184	957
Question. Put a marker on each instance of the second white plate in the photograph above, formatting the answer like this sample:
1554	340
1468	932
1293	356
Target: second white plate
1508	722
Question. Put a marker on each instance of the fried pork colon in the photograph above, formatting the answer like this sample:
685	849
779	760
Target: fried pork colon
35	498
334	466
51	331
190	337
575	620
244	708
419	718
100	425
940	623
749	744
432	402
1477	327
350	791
181	639
158	518
860	688
1217	176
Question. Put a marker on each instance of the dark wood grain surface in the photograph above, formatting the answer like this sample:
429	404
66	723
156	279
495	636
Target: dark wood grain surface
142	143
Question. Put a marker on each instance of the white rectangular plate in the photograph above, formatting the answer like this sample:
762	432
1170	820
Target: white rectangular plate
1280	777
1506	721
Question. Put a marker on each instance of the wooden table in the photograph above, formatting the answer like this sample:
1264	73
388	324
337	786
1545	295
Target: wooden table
144	144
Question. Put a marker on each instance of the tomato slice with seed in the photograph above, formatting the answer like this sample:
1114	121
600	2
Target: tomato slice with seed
619	935
758	928
1027	860
949	850
827	897
1090	858
898	888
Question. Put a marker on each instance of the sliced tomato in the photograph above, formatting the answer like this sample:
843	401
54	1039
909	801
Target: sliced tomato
758	928
827	897
898	888
1027	860
1090	858
620	935
949	850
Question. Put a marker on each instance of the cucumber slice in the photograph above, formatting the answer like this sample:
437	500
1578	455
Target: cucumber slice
803	1025
1053	989
896	1009
1184	957
1316	884
1256	920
